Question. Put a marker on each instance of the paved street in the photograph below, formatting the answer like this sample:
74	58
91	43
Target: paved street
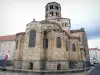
95	70
37	73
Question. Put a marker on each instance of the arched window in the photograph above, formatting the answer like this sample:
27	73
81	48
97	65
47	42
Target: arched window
32	38
66	45
73	47
59	67
50	14
57	14
58	42
51	7
31	66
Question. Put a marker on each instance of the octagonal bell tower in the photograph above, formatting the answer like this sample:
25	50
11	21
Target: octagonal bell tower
52	11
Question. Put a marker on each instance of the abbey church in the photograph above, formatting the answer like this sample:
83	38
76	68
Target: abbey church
50	44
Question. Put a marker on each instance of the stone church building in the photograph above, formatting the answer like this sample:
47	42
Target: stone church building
50	44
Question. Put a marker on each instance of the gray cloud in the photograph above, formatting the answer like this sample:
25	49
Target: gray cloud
93	33
92	28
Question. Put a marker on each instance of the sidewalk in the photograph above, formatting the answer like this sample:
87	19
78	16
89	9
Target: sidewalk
61	72
70	70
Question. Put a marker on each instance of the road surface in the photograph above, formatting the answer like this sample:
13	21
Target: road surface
95	70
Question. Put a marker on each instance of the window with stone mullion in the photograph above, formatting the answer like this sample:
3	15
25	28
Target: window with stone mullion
32	38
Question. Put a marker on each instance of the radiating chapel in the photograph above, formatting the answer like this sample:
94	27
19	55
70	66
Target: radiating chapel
50	44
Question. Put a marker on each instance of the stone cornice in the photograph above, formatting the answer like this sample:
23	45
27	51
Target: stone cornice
73	37
53	2
61	18
57	30
60	30
49	22
21	33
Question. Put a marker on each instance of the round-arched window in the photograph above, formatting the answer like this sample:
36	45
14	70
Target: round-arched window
73	47
32	38
58	42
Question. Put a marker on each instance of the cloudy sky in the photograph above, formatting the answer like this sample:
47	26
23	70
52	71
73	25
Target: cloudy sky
15	14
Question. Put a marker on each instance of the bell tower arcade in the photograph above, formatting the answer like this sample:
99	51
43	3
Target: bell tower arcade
52	11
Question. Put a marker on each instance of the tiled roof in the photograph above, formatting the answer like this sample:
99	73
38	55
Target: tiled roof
78	30
53	2
93	48
8	37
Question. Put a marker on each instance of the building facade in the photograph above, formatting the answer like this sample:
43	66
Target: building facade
7	46
94	54
50	44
